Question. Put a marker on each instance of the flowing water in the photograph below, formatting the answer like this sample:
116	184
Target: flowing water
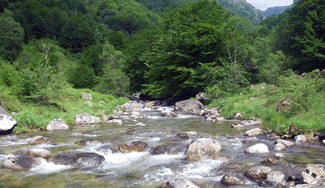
141	169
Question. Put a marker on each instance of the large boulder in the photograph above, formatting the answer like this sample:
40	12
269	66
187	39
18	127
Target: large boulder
178	183
57	125
313	172
257	173
78	160
20	162
86	119
133	145
87	96
132	106
212	113
6	121
37	140
189	106
203	149
201	97
258	149
254	132
39	153
190	134
284	142
232	180
275	176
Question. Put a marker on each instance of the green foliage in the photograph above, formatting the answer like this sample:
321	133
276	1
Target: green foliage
8	74
82	76
192	37
114	81
11	38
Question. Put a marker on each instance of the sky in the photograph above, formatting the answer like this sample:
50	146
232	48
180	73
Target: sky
264	4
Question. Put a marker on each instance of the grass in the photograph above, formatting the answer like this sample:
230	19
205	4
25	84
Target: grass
31	116
307	105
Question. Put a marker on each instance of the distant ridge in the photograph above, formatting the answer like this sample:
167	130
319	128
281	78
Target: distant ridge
274	10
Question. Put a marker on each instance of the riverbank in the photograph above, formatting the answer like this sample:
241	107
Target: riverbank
35	117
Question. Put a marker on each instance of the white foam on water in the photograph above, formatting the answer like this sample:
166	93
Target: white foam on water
43	146
154	139
234	143
155	117
199	169
3	157
46	168
182	116
90	135
122	160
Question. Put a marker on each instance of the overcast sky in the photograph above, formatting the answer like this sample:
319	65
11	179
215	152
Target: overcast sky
264	4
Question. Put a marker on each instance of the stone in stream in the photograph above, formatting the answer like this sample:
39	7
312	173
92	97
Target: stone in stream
160	149
168	113
278	156
257	172
190	134
133	145
296	179
86	119
258	149
237	125
57	125
212	113
275	176
300	139
278	147
135	115
238	116
141	124
19	162
254	132
132	106
78	160
189	106
178	183
39	153
269	161
232	180
89	142
203	149
37	140
251	122
313	172
116	121
7	122
284	142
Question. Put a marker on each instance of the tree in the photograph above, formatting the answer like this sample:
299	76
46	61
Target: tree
11	38
192	37
82	76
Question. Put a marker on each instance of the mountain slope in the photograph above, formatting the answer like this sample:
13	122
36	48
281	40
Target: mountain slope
275	10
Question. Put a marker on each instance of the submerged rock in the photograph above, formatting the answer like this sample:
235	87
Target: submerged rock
160	149
189	106
78	160
37	140
190	134
133	145
178	183
39	153
6	121
86	119
284	142
232	180
258	172
258	149
57	125
254	132
203	149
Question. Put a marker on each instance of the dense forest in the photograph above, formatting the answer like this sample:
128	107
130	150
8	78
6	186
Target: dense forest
165	49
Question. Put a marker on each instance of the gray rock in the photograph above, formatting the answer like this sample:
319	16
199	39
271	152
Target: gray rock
190	134
132	106
278	147
178	183
89	103
189	106
300	139
258	149
254	132
238	126
86	119
160	149
168	113
133	145
6	121
116	121
269	161
278	156
238	116
150	104
313	172
201	97
135	115
232	180
37	140
57	125
39	153
89	142
275	176
78	160
21	162
87	96
203	149
251	122
284	142
318	183
258	172
212	113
